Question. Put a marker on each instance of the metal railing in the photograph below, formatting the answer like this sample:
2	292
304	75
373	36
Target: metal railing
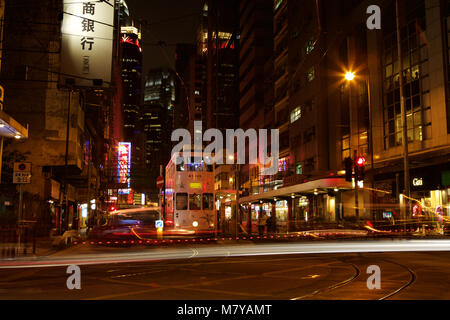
16	241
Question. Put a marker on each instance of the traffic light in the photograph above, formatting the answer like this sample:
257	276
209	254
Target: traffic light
348	169
112	208
360	165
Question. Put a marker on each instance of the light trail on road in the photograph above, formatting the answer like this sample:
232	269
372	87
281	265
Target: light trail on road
96	256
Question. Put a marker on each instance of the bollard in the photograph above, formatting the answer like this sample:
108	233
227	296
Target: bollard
25	238
34	241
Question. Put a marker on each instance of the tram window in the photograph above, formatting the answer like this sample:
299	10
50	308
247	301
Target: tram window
195	201
208	202
195	167
180	167
182	201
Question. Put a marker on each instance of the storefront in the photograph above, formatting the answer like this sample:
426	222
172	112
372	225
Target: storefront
299	206
282	215
429	191
431	188
301	210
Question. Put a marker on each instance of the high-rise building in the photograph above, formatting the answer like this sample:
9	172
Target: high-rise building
188	85
324	118
157	121
131	56
256	52
131	67
69	128
218	45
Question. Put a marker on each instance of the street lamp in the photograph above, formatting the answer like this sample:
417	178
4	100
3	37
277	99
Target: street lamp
350	76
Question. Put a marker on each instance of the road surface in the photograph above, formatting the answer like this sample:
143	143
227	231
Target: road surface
284	271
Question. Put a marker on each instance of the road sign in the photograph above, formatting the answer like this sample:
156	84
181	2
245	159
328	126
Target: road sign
159	224
22	173
160	182
22	178
22	166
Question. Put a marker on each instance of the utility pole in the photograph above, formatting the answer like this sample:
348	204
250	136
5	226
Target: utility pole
1	139
66	163
164	194
89	180
371	150
355	156
160	193
403	110
237	180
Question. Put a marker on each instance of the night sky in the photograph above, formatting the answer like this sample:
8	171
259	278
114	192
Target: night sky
171	21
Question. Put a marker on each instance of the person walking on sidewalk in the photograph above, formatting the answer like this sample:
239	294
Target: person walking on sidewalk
262	223
272	224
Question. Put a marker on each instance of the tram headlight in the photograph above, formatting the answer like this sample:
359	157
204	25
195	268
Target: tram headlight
195	224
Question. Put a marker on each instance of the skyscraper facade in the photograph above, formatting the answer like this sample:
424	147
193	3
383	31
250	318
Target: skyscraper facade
157	121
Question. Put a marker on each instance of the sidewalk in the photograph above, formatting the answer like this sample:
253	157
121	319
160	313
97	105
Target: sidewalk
44	247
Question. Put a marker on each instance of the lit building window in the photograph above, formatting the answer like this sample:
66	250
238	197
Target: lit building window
310	45
296	114
299	168
311	74
283	164
417	96
277	4
346	146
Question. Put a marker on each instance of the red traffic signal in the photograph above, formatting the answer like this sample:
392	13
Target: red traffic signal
361	161
112	208
360	164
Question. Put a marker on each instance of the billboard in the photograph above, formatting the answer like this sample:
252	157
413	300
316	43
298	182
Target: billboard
87	42
123	166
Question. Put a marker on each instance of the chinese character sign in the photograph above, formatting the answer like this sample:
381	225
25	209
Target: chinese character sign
87	41
123	167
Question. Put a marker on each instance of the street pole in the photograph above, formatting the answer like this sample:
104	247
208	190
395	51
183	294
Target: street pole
66	163
237	179
20	216
372	164
356	186
164	194
1	158
2	92
403	110
160	192
89	181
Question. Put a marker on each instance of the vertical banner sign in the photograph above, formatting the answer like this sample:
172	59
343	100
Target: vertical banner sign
87	41
123	167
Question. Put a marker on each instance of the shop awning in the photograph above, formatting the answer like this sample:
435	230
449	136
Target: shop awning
10	128
304	188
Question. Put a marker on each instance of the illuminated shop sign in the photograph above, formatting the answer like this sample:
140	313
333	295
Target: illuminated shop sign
387	215
123	166
87	42
417	182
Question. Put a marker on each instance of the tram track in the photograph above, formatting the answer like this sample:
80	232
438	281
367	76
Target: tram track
412	279
357	272
341	284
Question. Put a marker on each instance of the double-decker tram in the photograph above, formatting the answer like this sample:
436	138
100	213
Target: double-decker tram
189	196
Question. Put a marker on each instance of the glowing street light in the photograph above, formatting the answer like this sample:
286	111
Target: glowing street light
350	76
